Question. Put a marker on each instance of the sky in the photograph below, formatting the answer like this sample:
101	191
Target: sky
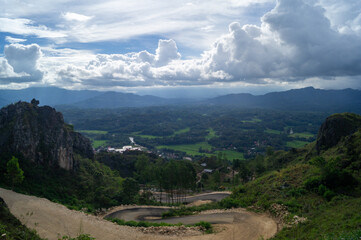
181	48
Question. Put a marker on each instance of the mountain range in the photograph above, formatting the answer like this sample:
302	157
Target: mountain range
304	99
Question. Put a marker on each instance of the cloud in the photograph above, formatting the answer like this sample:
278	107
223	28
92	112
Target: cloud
14	40
23	26
7	74
316	49
21	63
288	46
70	16
167	51
95	21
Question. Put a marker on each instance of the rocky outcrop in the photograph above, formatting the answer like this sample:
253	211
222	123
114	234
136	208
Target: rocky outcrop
40	135
335	128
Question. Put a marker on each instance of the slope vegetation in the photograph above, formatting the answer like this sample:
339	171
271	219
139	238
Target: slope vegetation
320	184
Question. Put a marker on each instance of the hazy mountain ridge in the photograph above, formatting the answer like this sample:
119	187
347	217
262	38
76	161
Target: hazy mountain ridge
305	99
47	95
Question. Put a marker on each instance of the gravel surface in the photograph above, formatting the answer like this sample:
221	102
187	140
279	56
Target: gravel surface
53	220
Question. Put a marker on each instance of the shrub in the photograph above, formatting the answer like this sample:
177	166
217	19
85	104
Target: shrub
80	237
353	235
322	189
328	195
312	183
205	226
229	203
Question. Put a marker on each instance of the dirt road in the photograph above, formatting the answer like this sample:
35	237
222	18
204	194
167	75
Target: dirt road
213	196
53	220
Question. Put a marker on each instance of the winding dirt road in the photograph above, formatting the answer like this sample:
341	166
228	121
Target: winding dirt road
53	220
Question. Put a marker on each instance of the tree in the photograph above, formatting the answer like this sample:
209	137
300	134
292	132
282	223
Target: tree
130	190
235	165
35	102
14	173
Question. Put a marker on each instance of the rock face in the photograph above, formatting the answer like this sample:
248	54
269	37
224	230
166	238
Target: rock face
335	127
40	135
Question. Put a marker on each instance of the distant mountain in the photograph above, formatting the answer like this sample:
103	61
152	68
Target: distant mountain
305	99
3	102
47	95
54	96
118	99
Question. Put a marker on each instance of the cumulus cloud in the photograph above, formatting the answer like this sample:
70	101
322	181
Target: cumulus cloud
21	63
7	73
315	48
167	51
288	46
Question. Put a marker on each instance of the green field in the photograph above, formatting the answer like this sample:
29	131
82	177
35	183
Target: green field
211	134
137	134
193	150
302	135
184	130
271	131
93	131
99	143
296	144
231	155
253	120
144	136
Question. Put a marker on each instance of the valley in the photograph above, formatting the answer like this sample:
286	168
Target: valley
180	120
278	187
193	132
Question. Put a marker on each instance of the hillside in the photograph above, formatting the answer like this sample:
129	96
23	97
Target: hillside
318	186
56	161
324	187
40	135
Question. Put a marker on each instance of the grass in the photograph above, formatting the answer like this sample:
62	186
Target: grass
146	136
302	135
93	131
205	226
231	155
193	150
271	131
253	120
211	134
184	130
190	149
296	144
353	235
99	143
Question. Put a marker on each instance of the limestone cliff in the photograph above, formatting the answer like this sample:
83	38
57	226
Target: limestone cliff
40	135
335	128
